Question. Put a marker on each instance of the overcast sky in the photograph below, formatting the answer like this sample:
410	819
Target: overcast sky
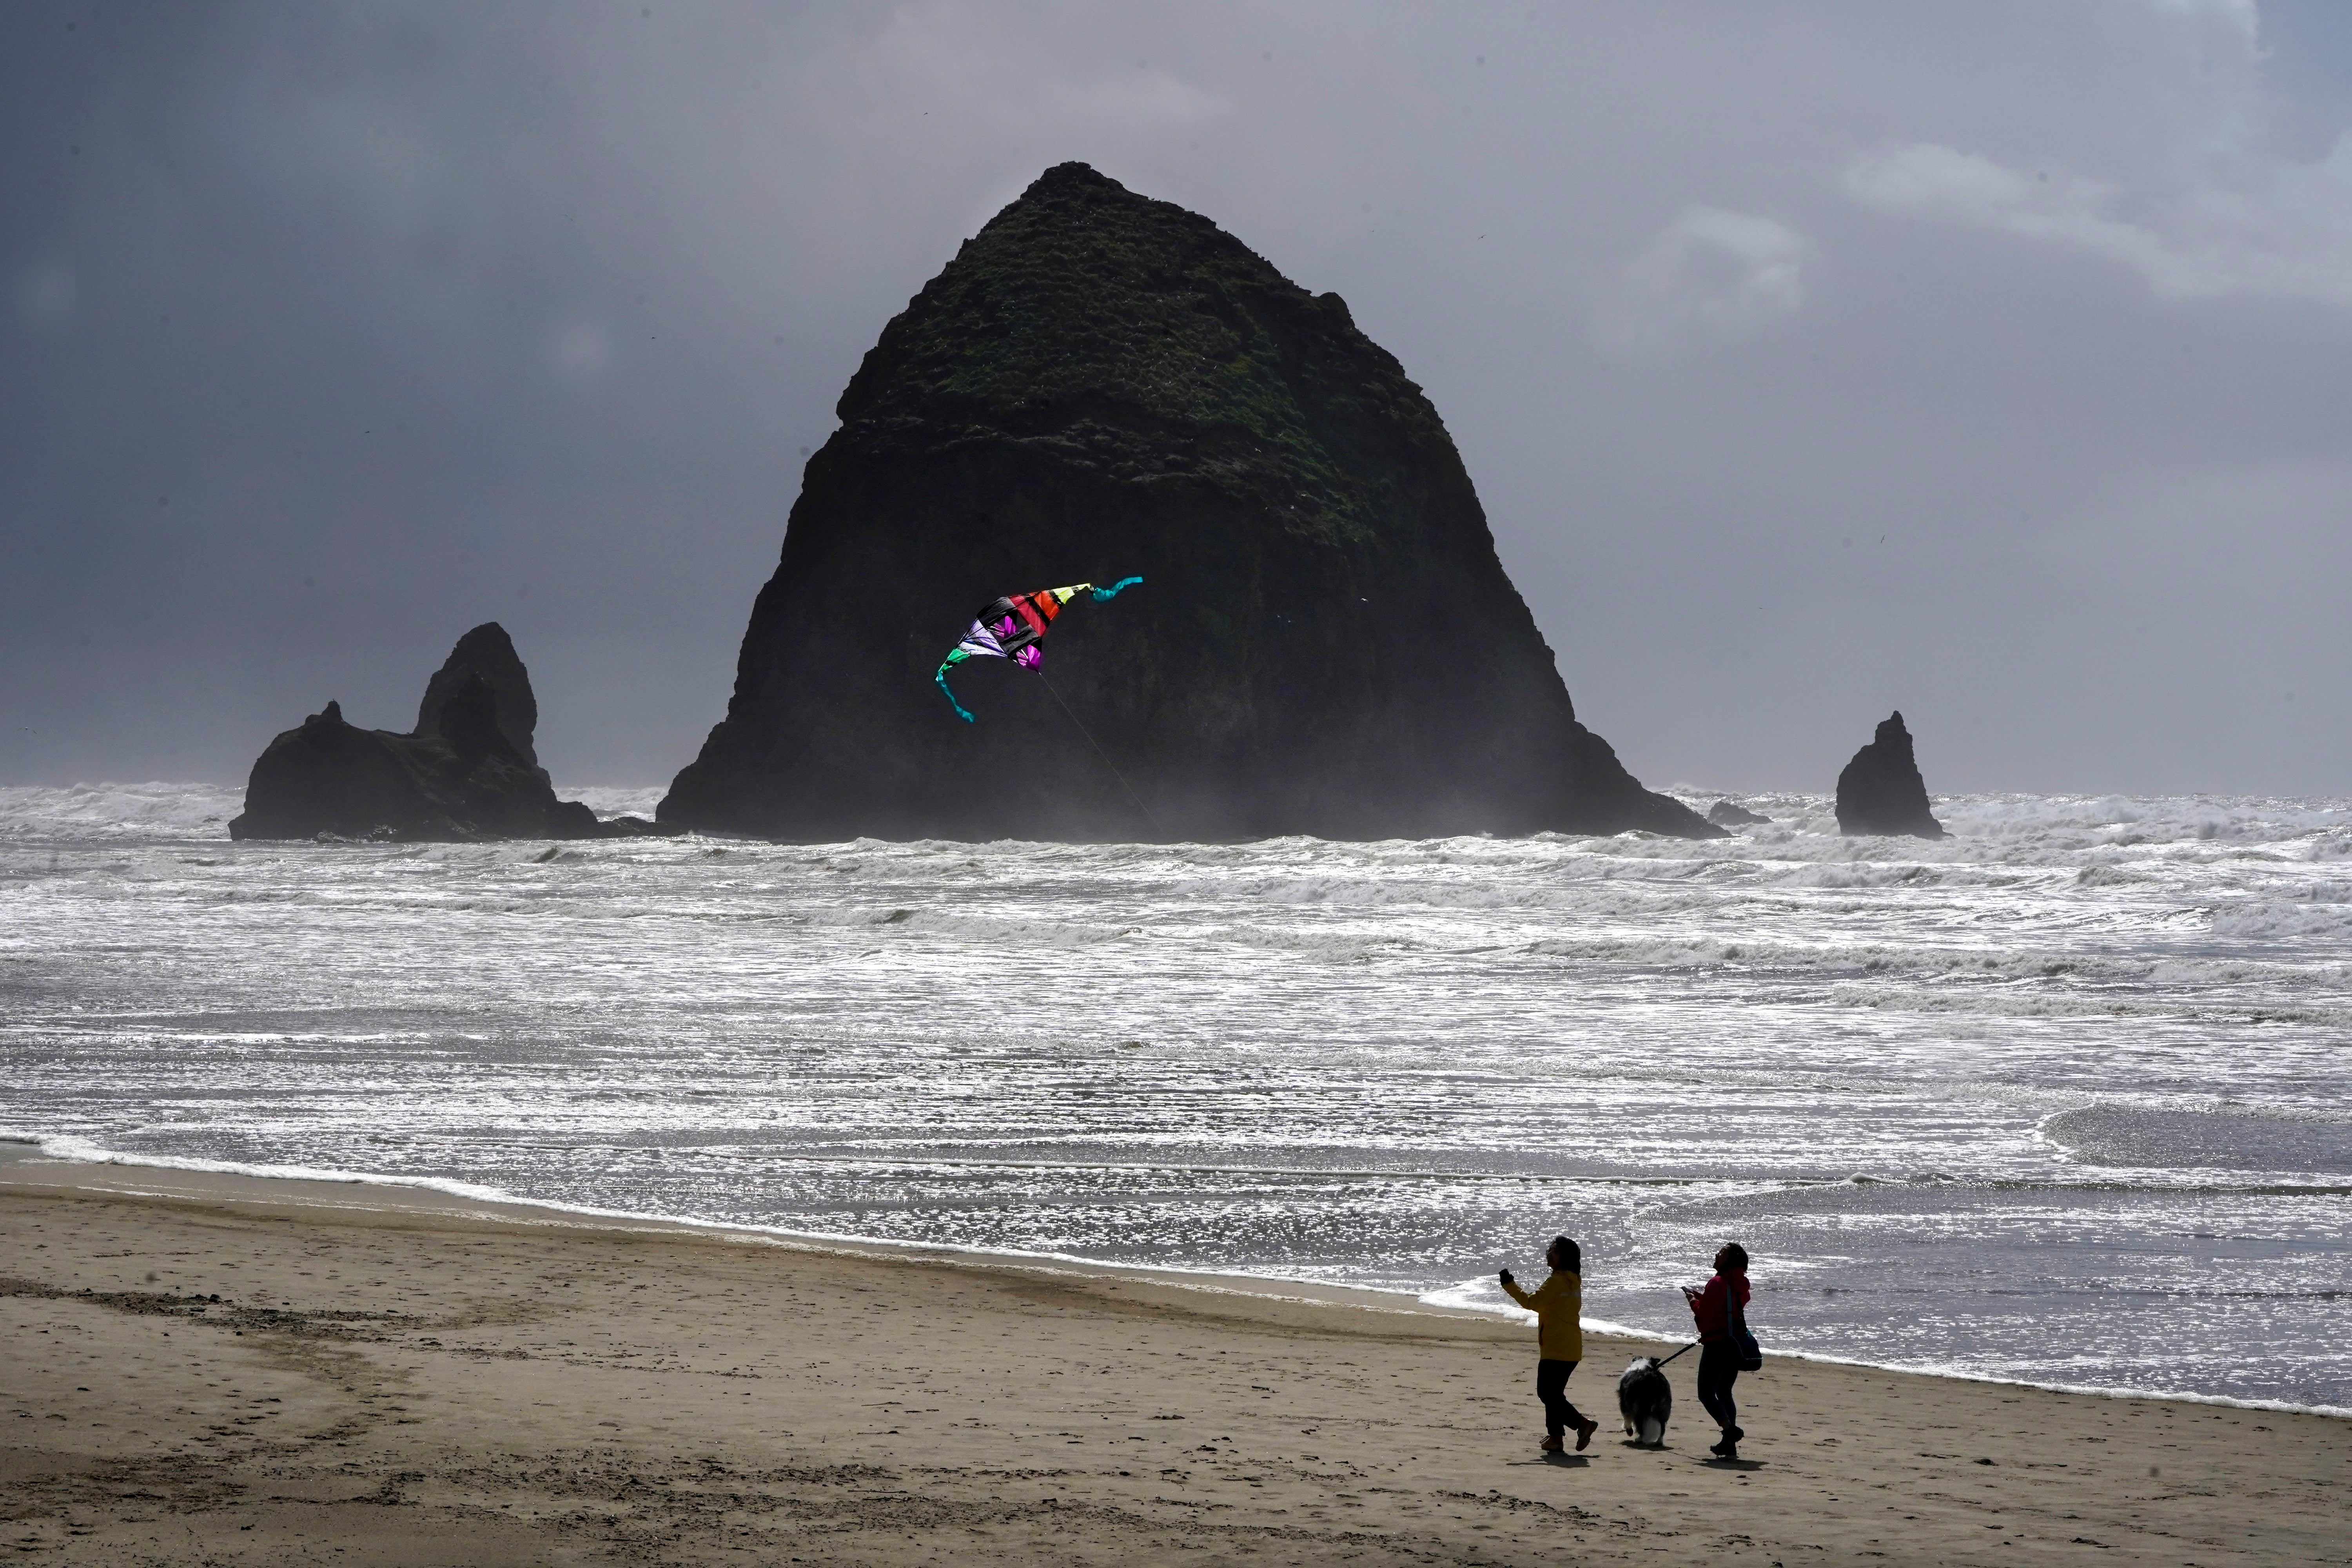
1992	362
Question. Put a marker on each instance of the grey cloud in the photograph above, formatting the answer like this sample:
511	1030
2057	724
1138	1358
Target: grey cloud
1708	270
2289	233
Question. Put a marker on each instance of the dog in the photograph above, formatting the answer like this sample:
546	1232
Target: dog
1644	1398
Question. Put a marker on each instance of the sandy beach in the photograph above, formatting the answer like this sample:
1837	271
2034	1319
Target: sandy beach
219	1369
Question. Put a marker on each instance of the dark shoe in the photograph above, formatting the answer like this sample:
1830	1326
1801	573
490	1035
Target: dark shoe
1722	1447
1584	1434
1553	1445
1732	1436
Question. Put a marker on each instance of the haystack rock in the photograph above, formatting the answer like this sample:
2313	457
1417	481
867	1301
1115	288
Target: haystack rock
1881	791
1099	386
467	772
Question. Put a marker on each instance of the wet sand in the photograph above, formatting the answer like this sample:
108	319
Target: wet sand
392	1376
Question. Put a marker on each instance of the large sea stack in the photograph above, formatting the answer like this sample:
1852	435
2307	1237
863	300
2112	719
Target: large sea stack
1100	386
1881	791
467	772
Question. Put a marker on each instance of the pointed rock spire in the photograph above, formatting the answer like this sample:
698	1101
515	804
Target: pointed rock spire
489	654
1881	791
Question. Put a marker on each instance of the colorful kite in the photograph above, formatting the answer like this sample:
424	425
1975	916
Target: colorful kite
1012	629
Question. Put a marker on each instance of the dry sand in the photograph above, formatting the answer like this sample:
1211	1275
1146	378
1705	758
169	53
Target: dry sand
395	1377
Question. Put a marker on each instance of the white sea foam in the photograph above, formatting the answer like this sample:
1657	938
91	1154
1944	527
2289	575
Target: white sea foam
129	812
2058	1099
88	813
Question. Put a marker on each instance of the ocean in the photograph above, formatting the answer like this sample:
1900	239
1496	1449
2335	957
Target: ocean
2063	1099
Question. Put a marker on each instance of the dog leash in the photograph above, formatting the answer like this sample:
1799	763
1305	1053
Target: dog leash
1693	1345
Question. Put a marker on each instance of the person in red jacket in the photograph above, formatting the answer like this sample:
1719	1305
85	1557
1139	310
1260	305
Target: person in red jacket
1718	1359
1558	1306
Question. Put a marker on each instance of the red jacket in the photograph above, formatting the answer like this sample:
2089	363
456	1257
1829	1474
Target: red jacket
1709	1308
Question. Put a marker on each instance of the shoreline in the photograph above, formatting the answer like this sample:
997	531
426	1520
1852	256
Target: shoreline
217	1181
20	1149
236	1369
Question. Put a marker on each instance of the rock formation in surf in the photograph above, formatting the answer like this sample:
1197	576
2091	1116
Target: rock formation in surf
467	772
1100	385
1881	791
489	654
1727	814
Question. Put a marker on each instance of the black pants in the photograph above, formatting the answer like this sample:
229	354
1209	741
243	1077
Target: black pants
1551	1387
1718	1368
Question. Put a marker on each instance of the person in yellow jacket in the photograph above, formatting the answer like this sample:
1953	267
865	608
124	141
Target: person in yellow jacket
1558	1306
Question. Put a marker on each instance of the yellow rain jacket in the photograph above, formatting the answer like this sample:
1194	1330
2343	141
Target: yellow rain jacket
1558	1306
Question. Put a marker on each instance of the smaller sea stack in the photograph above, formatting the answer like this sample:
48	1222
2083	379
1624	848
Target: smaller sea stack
467	772
1881	791
486	653
1729	814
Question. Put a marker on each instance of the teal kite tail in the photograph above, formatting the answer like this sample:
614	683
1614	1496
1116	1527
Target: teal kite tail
1112	592
941	676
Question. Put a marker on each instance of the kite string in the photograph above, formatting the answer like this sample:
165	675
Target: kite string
1121	777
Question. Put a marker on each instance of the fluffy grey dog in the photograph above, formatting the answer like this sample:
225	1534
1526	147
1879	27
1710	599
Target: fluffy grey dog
1644	1398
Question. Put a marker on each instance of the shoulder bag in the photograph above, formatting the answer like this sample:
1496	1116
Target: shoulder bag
1747	1355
